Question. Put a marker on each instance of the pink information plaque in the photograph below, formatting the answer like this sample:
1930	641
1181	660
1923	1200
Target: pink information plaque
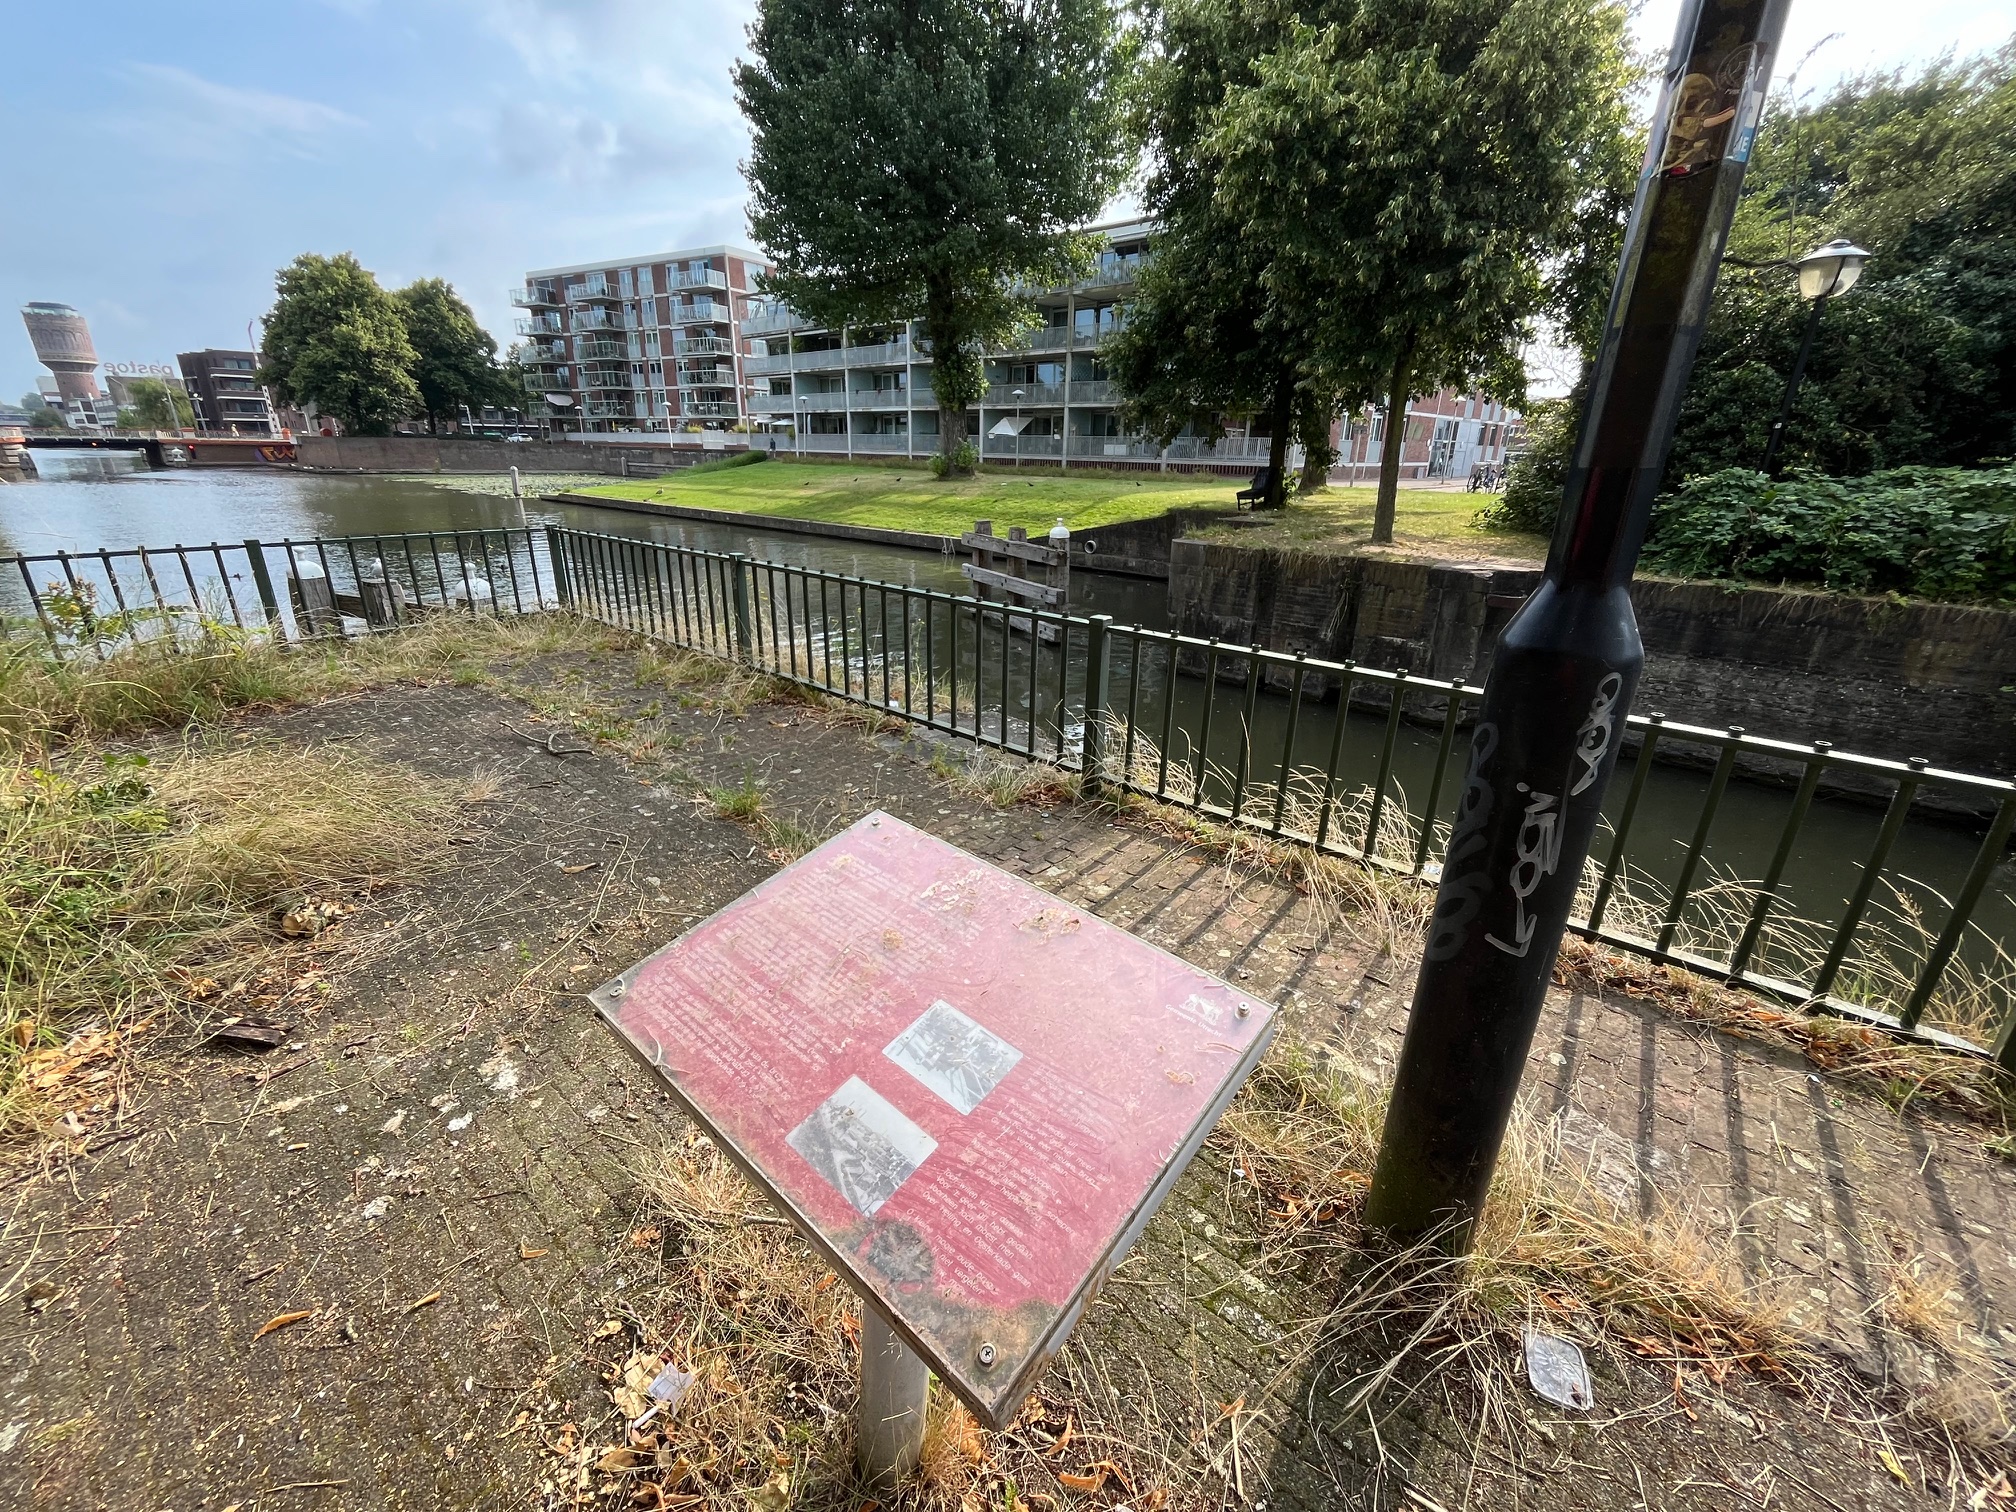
969	1095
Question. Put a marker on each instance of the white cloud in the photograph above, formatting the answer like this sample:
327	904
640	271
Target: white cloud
245	109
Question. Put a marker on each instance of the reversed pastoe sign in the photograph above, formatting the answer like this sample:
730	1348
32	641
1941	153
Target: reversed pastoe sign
968	1094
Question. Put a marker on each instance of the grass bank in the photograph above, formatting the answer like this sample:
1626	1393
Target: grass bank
901	498
904	498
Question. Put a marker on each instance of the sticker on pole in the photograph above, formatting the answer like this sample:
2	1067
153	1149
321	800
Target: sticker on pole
969	1095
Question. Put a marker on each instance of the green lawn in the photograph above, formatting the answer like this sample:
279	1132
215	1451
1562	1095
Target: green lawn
911	499
900	498
1426	521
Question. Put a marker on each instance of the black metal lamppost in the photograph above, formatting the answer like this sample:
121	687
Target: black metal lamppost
1547	736
1824	273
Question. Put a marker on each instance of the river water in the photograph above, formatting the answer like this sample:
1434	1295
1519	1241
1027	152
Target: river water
84	502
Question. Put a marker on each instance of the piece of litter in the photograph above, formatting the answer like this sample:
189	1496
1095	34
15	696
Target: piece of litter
1556	1369
456	1125
666	1389
391	1125
377	1207
249	1034
427	1301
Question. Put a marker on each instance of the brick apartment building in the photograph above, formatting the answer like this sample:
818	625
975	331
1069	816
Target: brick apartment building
648	346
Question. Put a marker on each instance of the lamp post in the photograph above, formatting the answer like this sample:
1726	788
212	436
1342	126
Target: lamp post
1547	736
1018	396
1824	273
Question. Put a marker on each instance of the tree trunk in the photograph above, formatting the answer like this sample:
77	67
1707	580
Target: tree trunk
1277	444
951	432
1389	452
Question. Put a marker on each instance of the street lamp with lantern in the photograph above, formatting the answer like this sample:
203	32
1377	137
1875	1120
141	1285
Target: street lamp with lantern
1018	396
1824	273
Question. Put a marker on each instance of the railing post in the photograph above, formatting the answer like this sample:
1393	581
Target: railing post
563	585
745	647
1091	763
269	601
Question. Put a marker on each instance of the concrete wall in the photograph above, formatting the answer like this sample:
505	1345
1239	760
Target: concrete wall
1884	679
408	454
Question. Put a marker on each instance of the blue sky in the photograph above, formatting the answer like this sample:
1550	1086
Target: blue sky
166	160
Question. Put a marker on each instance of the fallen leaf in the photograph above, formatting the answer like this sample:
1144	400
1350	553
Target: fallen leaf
1083	1482
1892	1464
610	1329
623	1459
575	871
285	1320
1057	1449
526	1252
645	1237
427	1301
774	1496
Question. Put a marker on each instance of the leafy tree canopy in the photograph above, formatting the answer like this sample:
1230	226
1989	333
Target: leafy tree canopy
931	158
1917	365
158	404
455	359
335	339
1413	183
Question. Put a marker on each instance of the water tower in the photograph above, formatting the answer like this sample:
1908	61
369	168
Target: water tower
63	345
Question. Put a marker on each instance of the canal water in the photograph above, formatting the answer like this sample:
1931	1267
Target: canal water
84	502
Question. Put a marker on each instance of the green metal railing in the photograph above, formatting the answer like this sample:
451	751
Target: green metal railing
1359	763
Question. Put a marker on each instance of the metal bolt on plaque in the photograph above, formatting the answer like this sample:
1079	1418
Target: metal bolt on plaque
969	1096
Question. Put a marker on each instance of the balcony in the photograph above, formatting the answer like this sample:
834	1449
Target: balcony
1024	446
1112	273
881	354
588	351
771	404
1094	391
609	409
535	296
593	291
683	278
1034	395
880	441
764	320
1042	339
712	377
880	398
776	362
543	383
537	325
700	312
703	346
602	320
700	409
540	356
605	378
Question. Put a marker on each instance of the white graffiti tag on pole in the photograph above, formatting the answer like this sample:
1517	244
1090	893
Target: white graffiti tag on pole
1539	853
1592	740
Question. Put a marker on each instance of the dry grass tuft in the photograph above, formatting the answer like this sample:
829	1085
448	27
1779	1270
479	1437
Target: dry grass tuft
44	702
128	885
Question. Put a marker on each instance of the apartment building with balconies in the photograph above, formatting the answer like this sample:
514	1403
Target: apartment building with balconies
1049	396
647	347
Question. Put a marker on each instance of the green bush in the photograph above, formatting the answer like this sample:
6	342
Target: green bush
1937	533
965	461
1534	482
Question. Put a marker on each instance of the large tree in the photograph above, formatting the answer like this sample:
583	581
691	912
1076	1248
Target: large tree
455	359
931	159
158	404
1415	182
336	340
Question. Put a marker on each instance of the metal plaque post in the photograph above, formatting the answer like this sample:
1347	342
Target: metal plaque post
1547	736
889	1423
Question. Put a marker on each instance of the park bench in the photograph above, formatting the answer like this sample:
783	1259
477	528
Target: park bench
1254	495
